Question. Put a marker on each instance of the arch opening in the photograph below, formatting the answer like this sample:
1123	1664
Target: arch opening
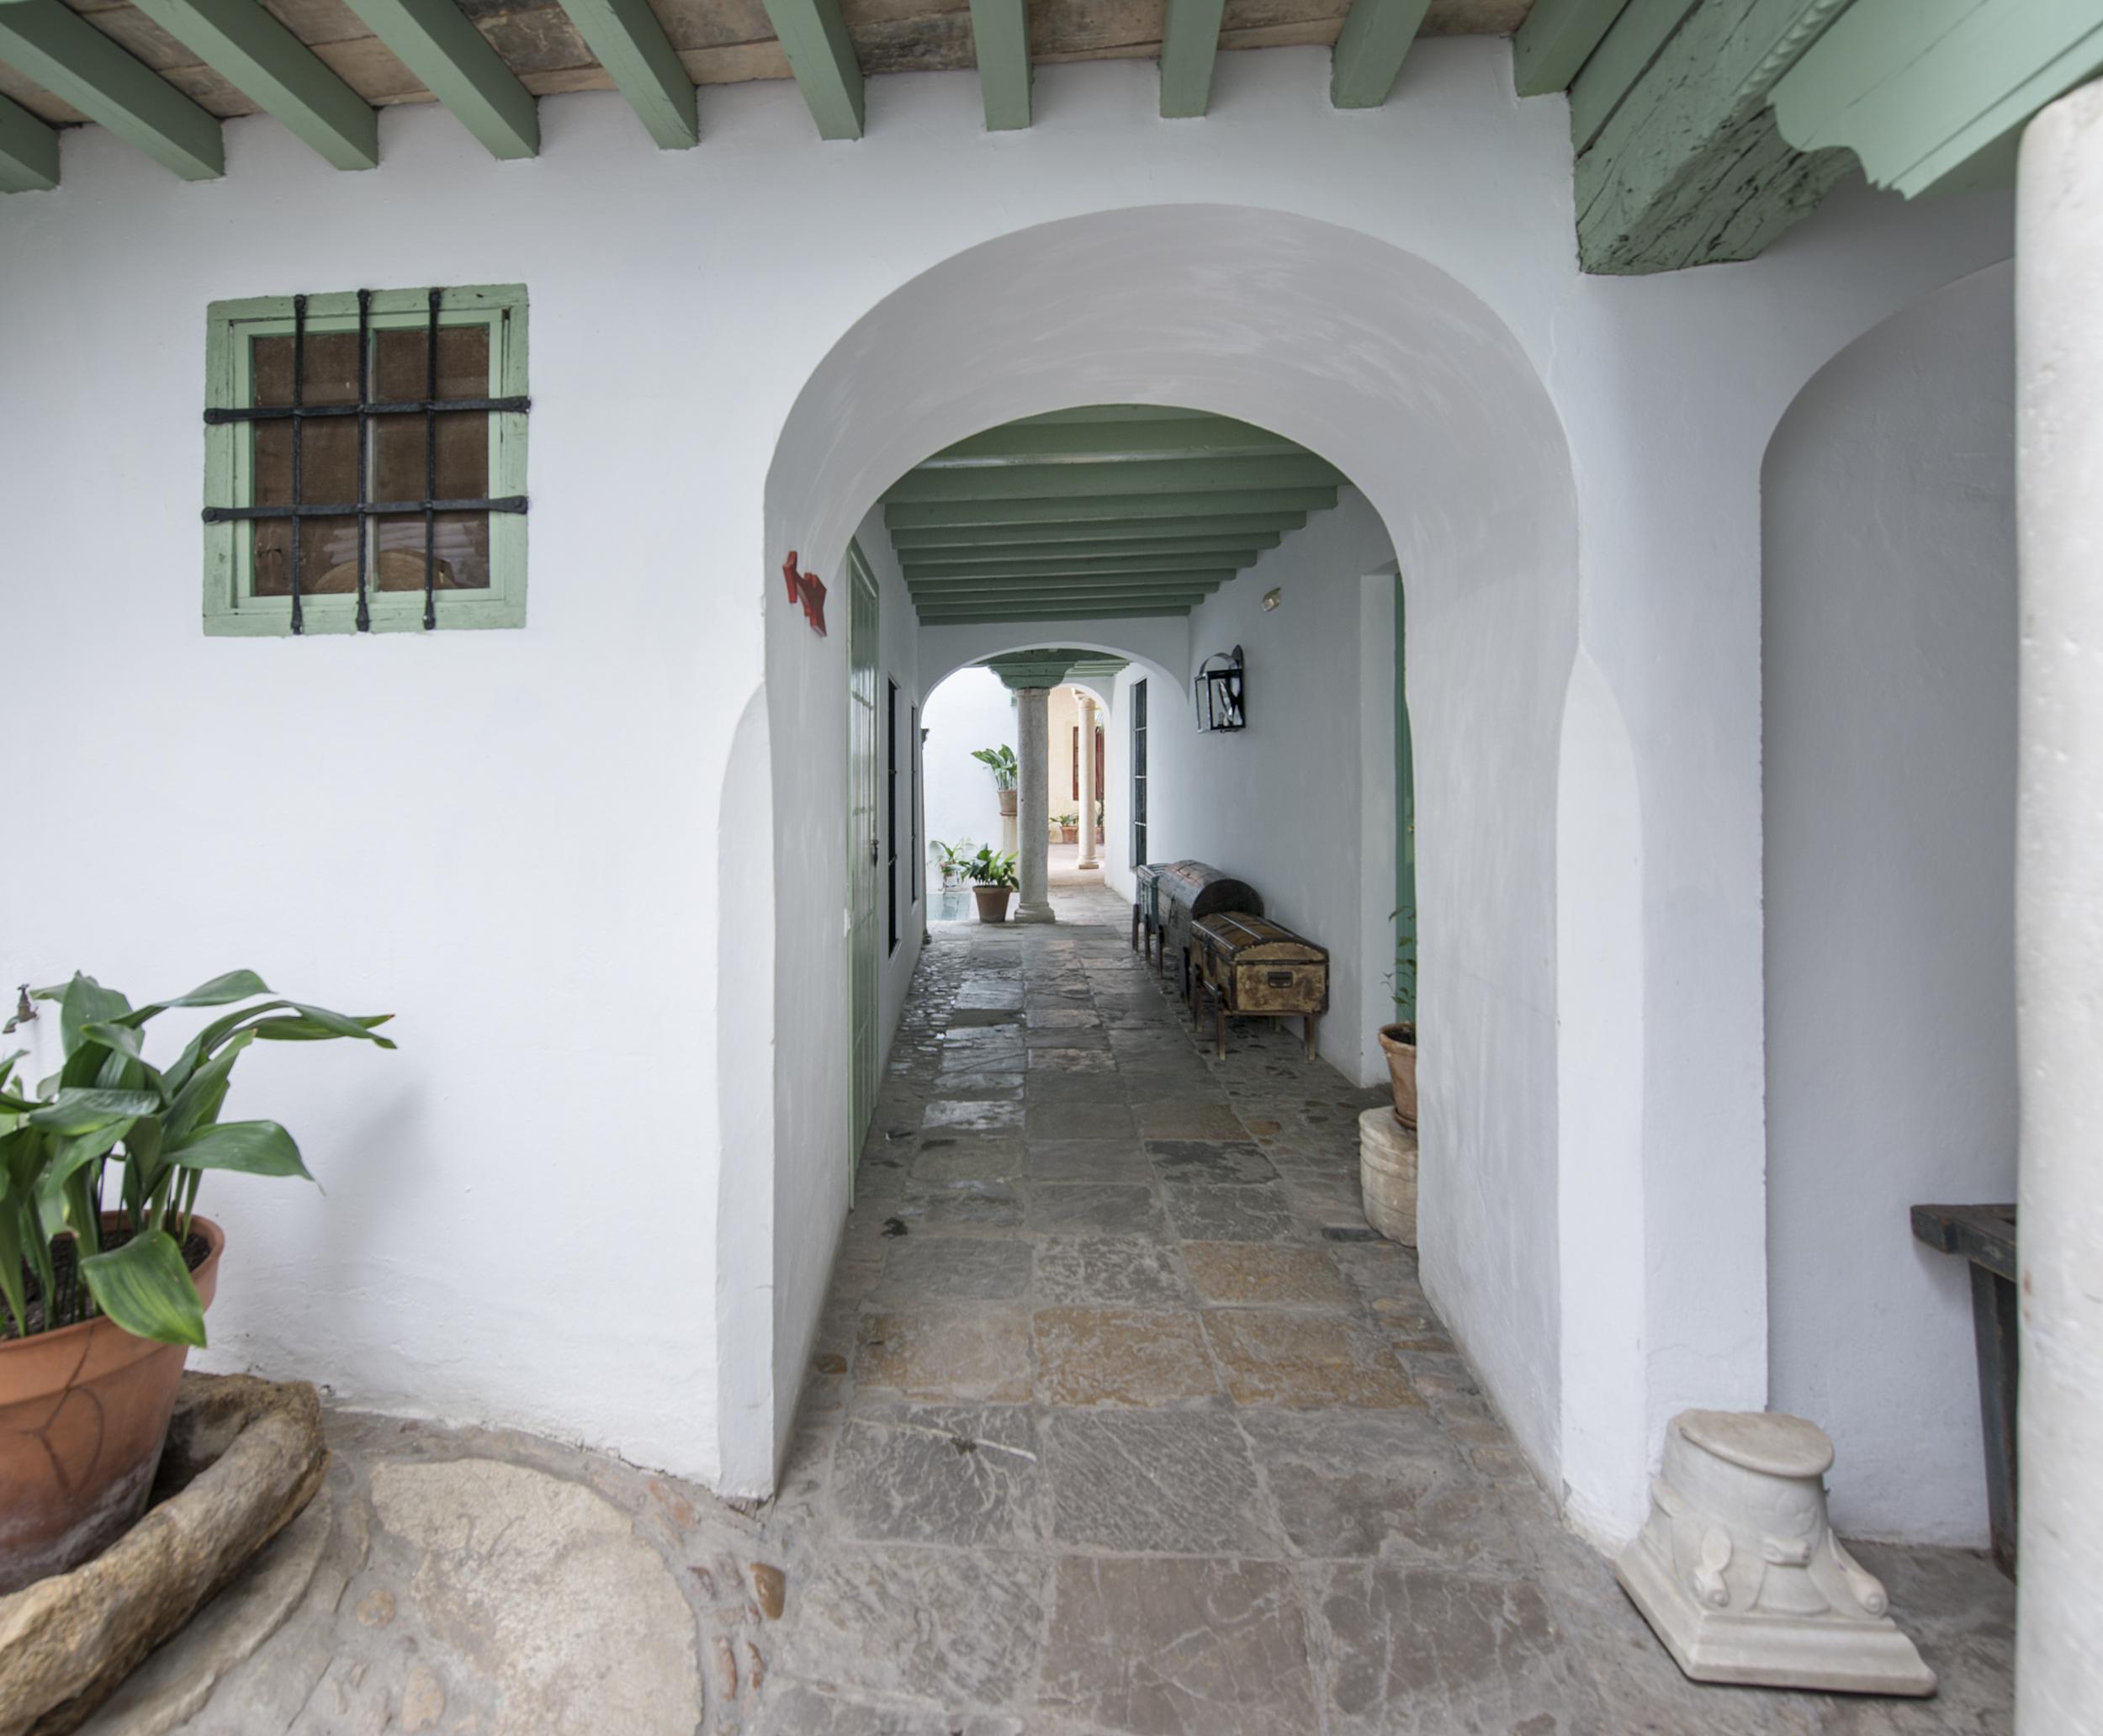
1395	373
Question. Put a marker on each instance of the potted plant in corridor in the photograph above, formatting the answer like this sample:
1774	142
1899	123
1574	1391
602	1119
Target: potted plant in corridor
993	878
950	859
1069	825
1398	1041
103	1293
1001	762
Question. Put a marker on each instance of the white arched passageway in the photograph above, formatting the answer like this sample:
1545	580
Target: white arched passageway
1399	376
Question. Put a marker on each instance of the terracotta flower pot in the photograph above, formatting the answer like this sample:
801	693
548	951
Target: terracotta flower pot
1007	803
83	1415
993	903
1069	834
1399	1043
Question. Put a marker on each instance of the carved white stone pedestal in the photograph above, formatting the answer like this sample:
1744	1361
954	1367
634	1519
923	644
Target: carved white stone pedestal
1740	1573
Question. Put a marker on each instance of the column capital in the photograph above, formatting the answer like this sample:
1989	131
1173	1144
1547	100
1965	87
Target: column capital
1018	669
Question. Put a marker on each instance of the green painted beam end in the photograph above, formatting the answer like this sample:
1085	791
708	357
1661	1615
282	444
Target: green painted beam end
1556	40
1190	44
1001	30
29	150
821	54
456	63
54	45
1368	57
630	43
266	62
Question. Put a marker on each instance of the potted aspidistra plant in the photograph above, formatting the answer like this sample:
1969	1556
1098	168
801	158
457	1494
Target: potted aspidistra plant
1069	825
992	877
1002	762
106	1269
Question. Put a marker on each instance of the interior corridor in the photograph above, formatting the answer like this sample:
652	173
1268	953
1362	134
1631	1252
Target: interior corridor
1119	1421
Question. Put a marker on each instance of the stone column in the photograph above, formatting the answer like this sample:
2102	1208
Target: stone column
2059	916
1033	813
1089	792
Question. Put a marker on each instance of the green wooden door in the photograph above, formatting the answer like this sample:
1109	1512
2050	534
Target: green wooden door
1405	828
861	837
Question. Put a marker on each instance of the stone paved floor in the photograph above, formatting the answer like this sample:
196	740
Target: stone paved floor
1107	1430
1111	1438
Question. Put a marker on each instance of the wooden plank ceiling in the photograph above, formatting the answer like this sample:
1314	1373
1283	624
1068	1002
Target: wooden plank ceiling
1113	511
316	63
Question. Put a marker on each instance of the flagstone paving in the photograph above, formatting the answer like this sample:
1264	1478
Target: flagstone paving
1118	1422
1115	1426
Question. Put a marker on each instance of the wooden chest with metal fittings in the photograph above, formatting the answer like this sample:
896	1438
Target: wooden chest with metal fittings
1185	893
1254	967
1145	909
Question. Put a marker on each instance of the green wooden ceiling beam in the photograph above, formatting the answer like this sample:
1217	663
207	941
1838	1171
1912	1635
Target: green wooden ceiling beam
53	45
454	60
1635	39
1190	44
1149	441
1690	168
1054	561
821	54
925	515
931	560
1932	95
627	38
1000	29
267	64
971	617
1556	40
1264	530
1191	579
1037	602
29	150
1037	482
1368	57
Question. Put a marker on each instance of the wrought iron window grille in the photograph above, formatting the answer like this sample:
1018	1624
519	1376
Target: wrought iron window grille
430	407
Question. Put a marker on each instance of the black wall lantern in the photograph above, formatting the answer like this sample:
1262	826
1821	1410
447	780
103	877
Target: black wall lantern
1218	685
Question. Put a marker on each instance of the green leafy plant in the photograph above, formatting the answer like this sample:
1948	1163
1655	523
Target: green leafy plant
1402	980
1002	762
950	858
1070	818
991	868
58	1264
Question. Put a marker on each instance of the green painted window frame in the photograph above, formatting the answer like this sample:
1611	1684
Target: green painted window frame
230	608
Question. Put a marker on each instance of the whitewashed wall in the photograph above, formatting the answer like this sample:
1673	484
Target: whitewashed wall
606	848
970	710
1283	803
1890	633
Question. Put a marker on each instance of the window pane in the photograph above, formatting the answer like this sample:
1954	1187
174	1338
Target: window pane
328	465
328	557
464	457
403	362
461	545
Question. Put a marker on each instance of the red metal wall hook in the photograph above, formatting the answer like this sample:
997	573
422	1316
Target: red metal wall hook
808	589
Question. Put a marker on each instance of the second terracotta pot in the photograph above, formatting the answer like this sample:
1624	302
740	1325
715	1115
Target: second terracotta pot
993	903
1398	1042
83	1416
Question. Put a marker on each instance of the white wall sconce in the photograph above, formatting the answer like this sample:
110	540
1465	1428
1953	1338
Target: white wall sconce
1272	597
